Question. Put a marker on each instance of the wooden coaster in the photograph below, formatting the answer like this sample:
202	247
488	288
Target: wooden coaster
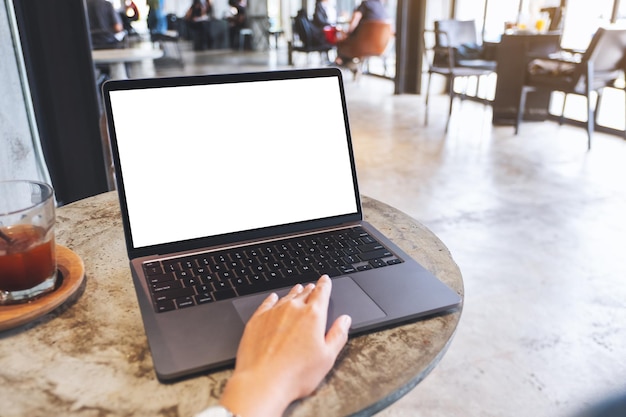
71	272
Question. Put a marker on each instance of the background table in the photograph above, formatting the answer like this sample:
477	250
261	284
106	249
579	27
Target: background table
90	356
514	53
117	59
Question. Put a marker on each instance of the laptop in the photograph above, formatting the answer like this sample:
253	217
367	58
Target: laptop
228	185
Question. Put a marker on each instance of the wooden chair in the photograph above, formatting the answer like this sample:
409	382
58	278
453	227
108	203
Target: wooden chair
440	56
370	39
602	64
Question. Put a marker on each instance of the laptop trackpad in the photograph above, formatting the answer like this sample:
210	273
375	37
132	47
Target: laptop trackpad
346	298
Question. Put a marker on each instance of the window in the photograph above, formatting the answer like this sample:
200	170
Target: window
582	19
498	14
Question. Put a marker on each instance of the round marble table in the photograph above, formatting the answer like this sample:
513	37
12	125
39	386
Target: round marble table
90	356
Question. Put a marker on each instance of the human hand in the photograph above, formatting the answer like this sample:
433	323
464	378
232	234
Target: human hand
284	352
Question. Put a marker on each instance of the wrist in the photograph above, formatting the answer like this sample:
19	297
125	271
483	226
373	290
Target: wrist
249	395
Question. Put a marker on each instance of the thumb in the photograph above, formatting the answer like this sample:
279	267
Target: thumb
337	335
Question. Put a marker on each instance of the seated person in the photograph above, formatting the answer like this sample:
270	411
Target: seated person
105	25
309	34
237	20
129	13
325	14
367	10
325	18
157	21
197	18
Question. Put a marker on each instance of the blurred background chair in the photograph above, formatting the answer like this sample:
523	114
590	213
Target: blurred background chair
441	58
246	34
307	38
370	40
169	41
602	65
462	37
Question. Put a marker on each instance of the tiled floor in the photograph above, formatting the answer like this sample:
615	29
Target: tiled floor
537	225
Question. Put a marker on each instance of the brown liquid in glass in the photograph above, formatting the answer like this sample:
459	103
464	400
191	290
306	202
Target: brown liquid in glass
26	260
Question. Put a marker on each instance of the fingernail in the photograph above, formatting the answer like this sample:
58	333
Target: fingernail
346	321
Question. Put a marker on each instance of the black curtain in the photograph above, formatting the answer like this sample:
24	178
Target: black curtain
57	53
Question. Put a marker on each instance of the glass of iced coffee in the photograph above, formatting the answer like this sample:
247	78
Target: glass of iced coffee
28	266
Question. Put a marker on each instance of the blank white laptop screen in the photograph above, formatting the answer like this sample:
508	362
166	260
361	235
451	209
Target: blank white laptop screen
213	159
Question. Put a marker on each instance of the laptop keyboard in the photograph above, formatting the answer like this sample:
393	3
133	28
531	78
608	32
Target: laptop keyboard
203	278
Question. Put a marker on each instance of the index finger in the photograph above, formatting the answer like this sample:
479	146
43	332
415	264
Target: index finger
321	293
268	303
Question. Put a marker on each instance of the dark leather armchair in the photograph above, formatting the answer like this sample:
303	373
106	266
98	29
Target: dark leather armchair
599	67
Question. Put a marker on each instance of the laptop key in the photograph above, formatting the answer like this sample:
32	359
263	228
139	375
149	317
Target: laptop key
350	250
155	279
272	275
191	282
289	272
200	270
331	272
183	274
276	283
225	275
377	263
303	278
352	259
202	288
208	278
185	302
238	282
172	294
259	287
166	286
368	247
367	239
256	278
204	298
166	305
379	253
224	294
347	269
153	270
172	266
